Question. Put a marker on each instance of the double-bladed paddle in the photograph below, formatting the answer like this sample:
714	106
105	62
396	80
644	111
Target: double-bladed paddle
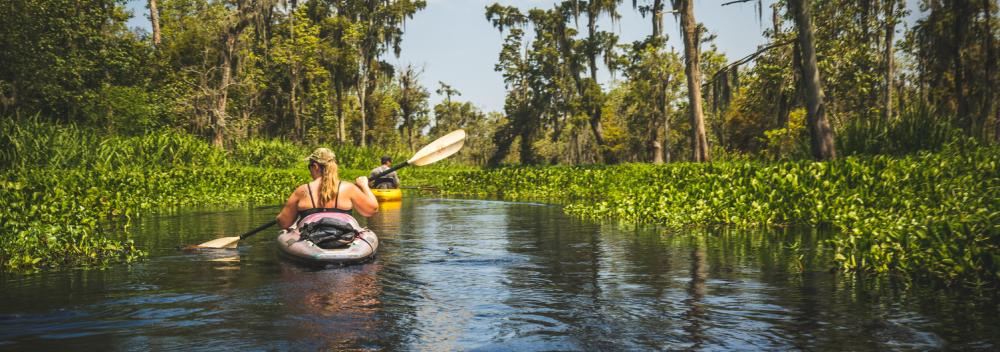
439	149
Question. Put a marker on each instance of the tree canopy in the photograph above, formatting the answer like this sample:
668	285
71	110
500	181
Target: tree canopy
318	72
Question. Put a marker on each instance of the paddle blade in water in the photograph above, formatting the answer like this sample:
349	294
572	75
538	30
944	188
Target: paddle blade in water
225	242
441	148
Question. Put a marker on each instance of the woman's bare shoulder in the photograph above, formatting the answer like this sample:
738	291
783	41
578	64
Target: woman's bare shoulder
347	186
301	189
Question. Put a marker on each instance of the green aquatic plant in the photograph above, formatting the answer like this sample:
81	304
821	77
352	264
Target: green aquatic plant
930	214
79	217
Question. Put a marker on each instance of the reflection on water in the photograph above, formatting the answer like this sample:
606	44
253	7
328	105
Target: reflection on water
334	308
469	274
695	314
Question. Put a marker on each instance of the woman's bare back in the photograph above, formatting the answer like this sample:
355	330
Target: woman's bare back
342	200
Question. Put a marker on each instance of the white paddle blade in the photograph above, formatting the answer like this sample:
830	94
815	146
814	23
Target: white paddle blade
225	242
441	148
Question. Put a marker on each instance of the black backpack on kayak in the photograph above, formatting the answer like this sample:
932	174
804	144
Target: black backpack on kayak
328	233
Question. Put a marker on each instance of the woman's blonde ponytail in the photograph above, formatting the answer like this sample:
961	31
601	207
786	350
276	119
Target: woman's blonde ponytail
328	183
329	179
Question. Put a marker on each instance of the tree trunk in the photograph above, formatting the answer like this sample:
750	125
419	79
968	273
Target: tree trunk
341	136
784	105
661	145
595	109
821	135
890	30
293	104
901	95
204	104
656	148
657	18
154	18
407	127
959	23
576	147
665	141
331	98
990	104
659	117
527	150
294	84
783	108
362	95
409	136
699	142
219	120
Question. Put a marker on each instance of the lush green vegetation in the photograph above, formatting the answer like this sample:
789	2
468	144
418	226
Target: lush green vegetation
32	143
934	214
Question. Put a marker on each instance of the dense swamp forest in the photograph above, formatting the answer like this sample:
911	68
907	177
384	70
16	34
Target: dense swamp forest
848	118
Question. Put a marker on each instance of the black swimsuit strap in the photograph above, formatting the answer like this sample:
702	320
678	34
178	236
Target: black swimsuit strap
309	188
337	198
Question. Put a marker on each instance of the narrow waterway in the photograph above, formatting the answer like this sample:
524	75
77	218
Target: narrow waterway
485	275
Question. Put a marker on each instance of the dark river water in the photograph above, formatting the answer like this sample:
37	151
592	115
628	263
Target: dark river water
485	275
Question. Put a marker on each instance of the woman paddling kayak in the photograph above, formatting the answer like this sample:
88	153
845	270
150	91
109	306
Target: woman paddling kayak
326	193
323	168
326	233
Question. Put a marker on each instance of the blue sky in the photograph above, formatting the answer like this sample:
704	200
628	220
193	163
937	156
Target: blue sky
452	41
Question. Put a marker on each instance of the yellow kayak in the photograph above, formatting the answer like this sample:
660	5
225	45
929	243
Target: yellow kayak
388	194
390	205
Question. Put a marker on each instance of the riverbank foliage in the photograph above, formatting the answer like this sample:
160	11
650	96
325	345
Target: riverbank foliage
930	214
32	142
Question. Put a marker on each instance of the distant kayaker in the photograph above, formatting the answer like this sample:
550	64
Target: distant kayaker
390	181
326	193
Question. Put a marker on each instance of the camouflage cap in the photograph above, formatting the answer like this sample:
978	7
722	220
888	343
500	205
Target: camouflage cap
322	156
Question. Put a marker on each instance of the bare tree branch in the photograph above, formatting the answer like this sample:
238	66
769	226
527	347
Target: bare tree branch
747	58
737	2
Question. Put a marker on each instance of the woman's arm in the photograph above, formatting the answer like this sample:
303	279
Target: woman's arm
363	199
287	215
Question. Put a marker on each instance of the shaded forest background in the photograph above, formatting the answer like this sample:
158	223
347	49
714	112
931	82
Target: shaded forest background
836	78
